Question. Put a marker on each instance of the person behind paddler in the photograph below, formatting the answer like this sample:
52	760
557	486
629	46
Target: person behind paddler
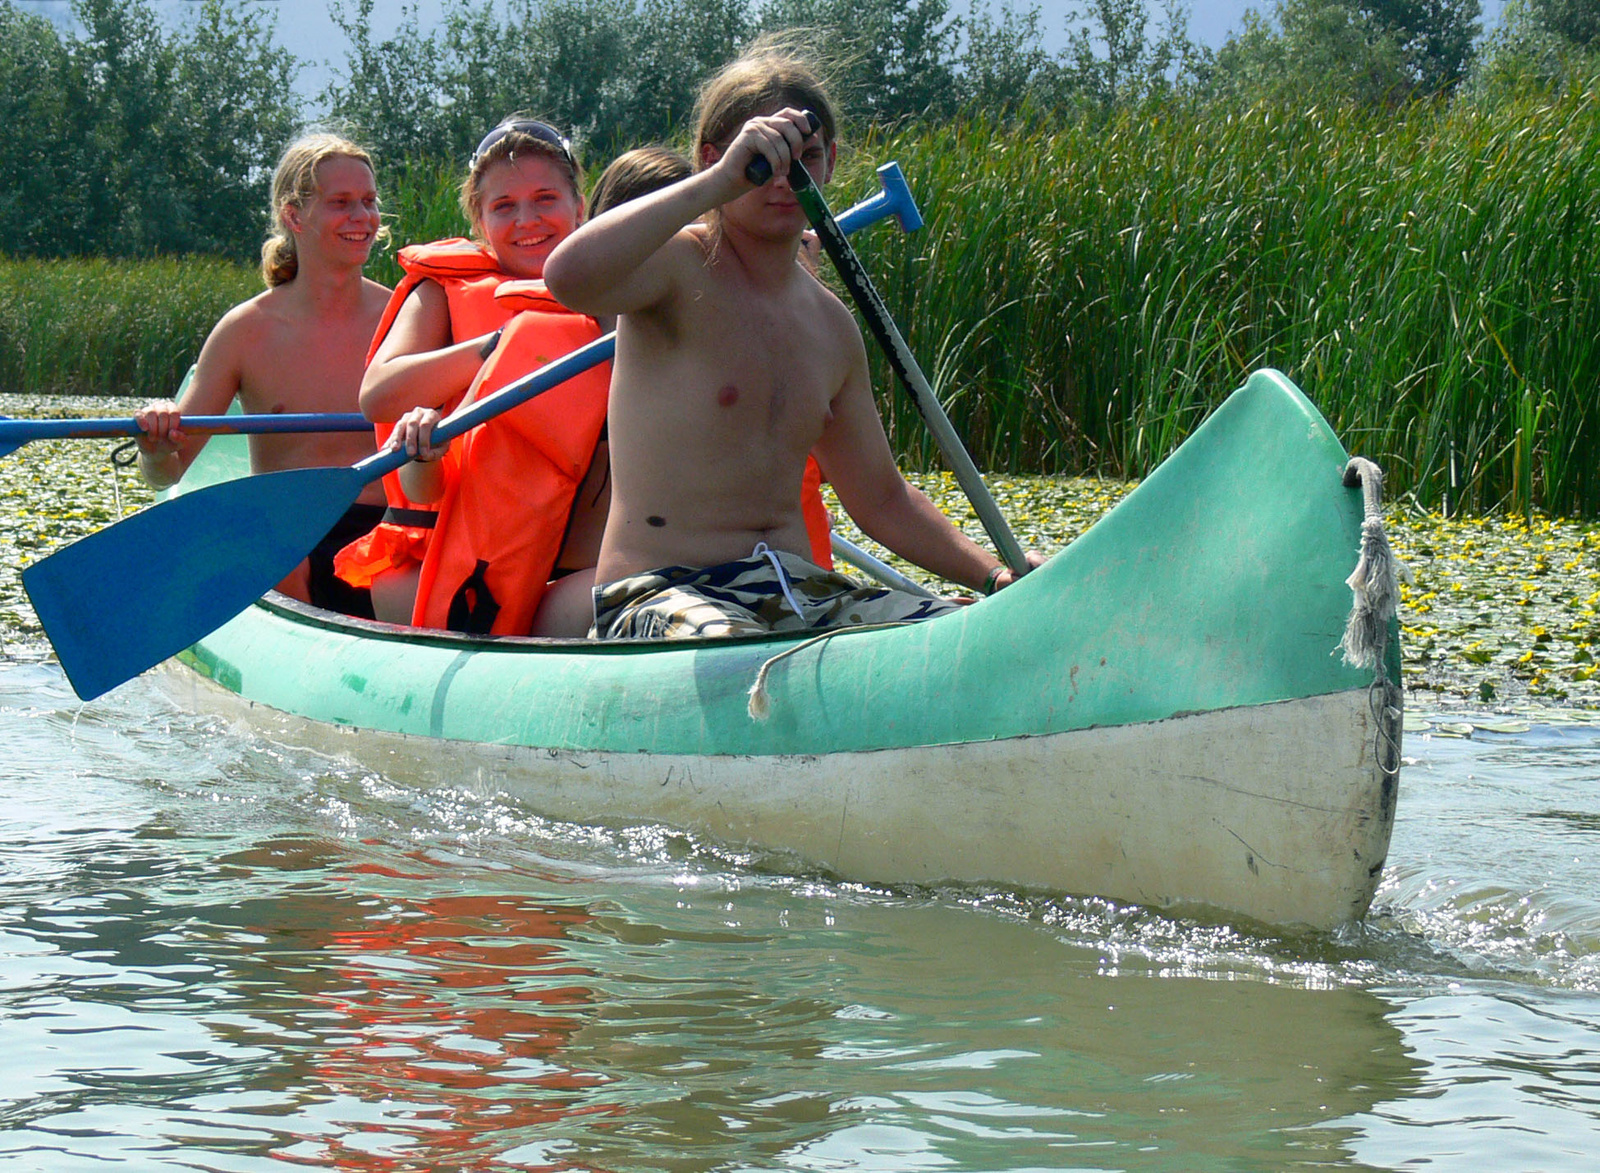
733	363
520	196
637	172
300	346
522	507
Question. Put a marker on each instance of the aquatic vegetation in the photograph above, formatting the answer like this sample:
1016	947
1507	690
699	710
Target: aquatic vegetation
1500	608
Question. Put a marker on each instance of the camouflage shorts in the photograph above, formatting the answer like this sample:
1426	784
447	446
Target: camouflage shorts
747	597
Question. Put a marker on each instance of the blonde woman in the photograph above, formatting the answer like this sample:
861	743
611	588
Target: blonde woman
301	346
521	196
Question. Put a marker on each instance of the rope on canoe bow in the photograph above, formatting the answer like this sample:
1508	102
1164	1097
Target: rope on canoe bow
1376	589
1375	581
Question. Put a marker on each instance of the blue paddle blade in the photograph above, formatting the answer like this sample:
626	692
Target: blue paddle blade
124	599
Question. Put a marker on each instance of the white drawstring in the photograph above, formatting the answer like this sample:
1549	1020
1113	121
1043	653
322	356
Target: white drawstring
762	550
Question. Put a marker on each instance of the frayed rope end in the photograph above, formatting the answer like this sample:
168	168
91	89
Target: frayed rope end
1374	584
760	704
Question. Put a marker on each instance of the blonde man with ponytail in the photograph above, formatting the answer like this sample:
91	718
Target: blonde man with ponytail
300	346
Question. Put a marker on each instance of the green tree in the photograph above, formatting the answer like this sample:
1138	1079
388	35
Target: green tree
33	68
611	73
123	140
891	58
1368	52
1004	68
391	95
1575	21
1112	59
233	110
680	44
1434	37
119	85
1542	45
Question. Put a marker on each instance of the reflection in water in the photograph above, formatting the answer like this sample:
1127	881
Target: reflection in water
1503	1072
245	957
450	1011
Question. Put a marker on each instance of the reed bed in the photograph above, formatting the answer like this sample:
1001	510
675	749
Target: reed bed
111	327
420	203
1082	295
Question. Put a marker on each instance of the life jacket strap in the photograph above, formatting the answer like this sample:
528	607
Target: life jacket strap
414	518
473	607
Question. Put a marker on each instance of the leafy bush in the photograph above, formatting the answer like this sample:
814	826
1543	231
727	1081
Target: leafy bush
127	141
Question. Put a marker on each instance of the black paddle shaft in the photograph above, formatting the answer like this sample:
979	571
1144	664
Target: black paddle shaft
894	346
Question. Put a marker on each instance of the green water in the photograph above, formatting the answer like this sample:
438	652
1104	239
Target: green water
222	953
219	952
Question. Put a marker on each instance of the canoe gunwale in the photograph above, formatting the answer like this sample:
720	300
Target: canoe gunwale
311	615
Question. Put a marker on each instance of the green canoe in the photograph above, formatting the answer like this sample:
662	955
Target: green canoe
1159	715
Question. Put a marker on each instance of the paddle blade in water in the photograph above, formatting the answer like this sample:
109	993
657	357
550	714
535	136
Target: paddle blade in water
124	599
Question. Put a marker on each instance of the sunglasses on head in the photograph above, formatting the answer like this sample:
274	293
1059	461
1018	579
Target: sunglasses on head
544	132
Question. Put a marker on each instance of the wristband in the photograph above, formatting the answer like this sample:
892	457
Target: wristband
487	348
992	583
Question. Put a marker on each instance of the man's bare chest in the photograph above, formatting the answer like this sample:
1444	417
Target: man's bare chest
741	333
303	370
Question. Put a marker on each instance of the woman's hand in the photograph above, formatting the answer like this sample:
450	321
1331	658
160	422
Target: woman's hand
413	434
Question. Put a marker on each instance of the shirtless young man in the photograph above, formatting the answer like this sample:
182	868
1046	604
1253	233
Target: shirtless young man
299	347
733	362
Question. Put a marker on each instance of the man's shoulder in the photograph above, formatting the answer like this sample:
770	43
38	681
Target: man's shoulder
692	245
827	307
246	321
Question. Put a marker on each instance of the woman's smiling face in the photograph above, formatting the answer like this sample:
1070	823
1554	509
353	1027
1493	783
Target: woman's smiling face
529	207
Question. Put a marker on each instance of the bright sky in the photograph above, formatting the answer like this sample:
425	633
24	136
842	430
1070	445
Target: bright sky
305	29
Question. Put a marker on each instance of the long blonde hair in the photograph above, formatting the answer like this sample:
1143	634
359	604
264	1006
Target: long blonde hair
294	184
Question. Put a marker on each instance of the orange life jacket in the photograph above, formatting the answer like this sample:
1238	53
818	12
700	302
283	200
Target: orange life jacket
469	276
507	501
819	528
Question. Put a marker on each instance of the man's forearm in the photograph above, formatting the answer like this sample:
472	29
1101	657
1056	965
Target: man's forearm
913	527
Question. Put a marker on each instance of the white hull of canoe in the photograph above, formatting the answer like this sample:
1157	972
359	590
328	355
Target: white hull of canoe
1278	812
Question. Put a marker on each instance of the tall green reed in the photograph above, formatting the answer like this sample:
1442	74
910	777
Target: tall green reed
102	327
1086	294
420	203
